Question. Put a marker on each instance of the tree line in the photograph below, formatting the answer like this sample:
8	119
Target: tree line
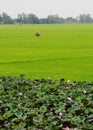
23	18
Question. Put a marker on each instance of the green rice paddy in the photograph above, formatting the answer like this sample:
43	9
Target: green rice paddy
62	51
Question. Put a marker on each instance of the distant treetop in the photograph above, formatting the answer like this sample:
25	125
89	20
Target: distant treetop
23	18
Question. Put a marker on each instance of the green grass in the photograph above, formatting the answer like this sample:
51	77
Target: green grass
62	51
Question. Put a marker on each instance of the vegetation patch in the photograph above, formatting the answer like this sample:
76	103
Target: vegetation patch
45	104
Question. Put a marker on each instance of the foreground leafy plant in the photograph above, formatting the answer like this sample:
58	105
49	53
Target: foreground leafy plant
45	104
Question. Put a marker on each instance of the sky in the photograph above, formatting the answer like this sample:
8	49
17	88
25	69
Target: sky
43	8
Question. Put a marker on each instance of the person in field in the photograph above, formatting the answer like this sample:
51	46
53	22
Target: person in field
37	34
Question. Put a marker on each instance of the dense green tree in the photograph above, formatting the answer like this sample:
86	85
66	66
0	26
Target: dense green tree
70	20
33	19
6	19
0	19
85	18
22	18
19	18
53	19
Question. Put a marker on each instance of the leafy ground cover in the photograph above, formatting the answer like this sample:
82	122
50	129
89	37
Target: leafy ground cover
45	104
60	51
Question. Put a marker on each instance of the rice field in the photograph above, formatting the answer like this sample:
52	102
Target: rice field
61	51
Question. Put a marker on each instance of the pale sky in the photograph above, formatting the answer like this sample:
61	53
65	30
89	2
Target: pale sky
43	8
